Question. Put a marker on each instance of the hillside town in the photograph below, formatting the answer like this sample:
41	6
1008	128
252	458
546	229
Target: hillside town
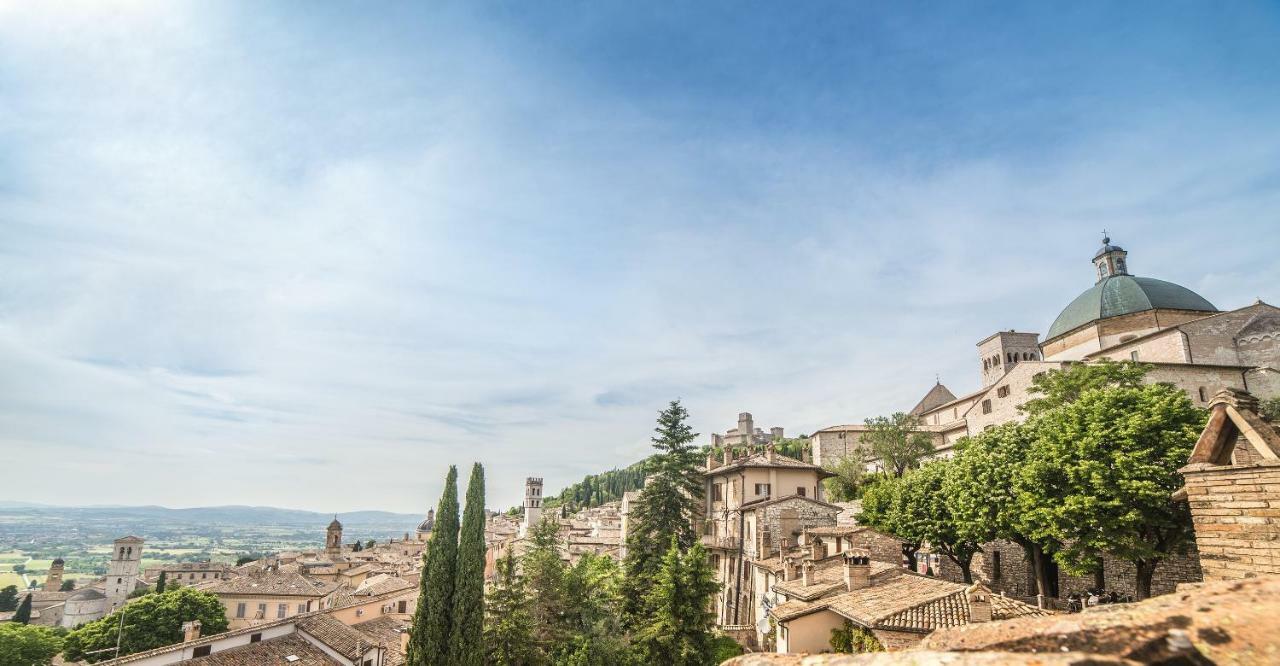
792	567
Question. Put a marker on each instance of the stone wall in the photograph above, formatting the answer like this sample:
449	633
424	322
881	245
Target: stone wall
797	514
1236	510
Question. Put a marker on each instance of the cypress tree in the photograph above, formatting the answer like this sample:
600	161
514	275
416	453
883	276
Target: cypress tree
466	643
160	583
432	619
23	616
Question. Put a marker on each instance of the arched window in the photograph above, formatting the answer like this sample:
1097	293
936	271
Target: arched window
122	552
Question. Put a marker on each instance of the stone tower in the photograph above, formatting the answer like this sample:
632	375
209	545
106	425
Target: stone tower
1001	351
532	503
122	572
746	428
53	581
1110	260
333	539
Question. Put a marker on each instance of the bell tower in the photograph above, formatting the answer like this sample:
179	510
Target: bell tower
122	571
532	503
1110	260
333	539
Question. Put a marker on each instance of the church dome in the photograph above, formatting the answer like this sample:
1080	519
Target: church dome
1124	294
426	525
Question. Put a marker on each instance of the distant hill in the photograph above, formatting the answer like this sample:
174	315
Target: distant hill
213	515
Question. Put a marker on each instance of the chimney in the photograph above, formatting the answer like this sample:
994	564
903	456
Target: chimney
806	573
788	568
769	452
817	549
979	597
404	639
728	455
190	631
711	462
857	570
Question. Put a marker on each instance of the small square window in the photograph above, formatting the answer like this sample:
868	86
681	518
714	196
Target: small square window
202	651
255	638
1002	392
1133	355
986	406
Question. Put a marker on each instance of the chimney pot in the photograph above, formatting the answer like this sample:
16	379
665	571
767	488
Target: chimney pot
806	573
190	631
857	570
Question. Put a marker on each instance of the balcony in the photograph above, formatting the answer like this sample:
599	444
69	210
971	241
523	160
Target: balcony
721	542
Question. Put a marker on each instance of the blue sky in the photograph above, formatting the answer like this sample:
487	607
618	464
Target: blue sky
309	254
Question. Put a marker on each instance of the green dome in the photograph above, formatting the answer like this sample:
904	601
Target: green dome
1124	294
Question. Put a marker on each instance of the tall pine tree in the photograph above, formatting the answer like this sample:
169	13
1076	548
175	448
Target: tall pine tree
160	583
433	617
679	629
666	507
466	643
508	632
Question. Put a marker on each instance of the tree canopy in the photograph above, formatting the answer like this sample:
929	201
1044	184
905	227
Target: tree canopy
897	441
26	645
432	618
152	621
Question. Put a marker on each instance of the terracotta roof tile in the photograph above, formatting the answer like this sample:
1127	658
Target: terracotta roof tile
271	651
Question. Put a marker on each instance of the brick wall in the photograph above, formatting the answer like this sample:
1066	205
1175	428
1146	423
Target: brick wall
1236	510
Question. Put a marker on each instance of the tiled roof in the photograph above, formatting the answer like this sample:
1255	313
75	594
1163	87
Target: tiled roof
766	501
271	651
274	583
343	639
356	571
908	602
385	631
762	460
828	577
382	587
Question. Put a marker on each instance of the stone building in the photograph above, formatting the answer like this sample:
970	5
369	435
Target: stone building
333	539
1233	487
756	504
898	607
746	434
1185	338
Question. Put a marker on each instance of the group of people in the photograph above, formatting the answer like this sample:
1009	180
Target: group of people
1078	602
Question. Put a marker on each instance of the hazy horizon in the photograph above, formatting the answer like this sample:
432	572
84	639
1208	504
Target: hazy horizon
299	255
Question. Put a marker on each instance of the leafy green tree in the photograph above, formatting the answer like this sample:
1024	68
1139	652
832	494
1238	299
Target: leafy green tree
23	614
926	515
160	583
19	568
1063	387
9	598
679	629
897	441
466	642
25	645
68	585
150	622
1101	473
852	639
985	494
883	508
666	507
850	475
1270	409
244	559
593	614
370	544
432	618
508	632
